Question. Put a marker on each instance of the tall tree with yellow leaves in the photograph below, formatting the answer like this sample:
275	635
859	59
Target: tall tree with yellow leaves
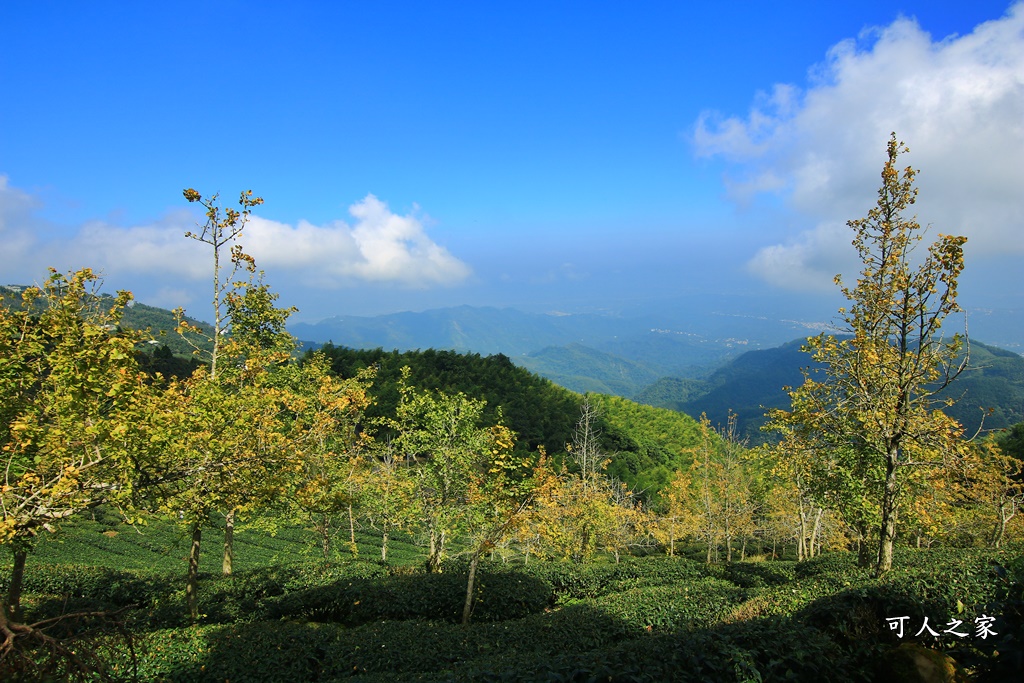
874	409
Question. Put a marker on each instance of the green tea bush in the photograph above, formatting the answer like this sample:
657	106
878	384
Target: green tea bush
691	605
760	574
498	595
1001	658
767	650
102	584
570	582
834	564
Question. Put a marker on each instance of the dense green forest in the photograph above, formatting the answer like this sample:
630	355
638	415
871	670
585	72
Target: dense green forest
644	444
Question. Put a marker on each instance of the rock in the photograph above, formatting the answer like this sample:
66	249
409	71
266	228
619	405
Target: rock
914	663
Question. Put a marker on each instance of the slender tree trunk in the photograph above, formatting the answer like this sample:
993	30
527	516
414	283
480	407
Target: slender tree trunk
801	546
352	532
192	585
229	543
997	534
864	558
384	547
743	549
816	533
325	536
436	550
432	552
17	580
467	607
888	527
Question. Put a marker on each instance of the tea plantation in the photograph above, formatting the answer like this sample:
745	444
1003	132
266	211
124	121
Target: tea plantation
286	615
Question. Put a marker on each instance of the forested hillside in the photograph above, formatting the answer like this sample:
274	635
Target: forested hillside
645	445
992	387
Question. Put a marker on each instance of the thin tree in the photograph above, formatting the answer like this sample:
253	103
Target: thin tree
875	414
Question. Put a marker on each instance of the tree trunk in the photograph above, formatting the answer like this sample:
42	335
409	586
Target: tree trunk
887	531
17	579
801	546
997	534
192	585
816	533
325	538
864	558
352	533
467	607
384	548
436	550
229	543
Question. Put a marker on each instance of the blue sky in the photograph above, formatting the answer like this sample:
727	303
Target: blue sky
569	156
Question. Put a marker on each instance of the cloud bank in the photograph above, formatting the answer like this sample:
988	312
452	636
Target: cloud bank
958	103
379	247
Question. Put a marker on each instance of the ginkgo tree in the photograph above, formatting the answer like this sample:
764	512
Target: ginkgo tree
441	433
874	412
71	400
328	444
248	337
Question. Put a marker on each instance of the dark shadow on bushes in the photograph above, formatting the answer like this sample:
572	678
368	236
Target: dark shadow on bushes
497	596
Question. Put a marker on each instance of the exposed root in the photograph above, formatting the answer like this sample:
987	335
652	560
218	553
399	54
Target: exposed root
30	652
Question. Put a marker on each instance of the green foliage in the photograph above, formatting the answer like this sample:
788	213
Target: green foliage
644	619
159	324
648	443
585	370
539	412
1011	442
500	595
71	400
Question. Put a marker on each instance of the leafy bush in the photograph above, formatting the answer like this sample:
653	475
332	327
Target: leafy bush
692	605
760	574
570	582
834	564
498	595
112	587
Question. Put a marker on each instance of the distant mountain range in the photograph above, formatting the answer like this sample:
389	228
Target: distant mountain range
753	382
690	346
712	363
690	369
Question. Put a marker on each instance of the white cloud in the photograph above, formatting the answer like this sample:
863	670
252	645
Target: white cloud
15	239
160	247
959	105
380	247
